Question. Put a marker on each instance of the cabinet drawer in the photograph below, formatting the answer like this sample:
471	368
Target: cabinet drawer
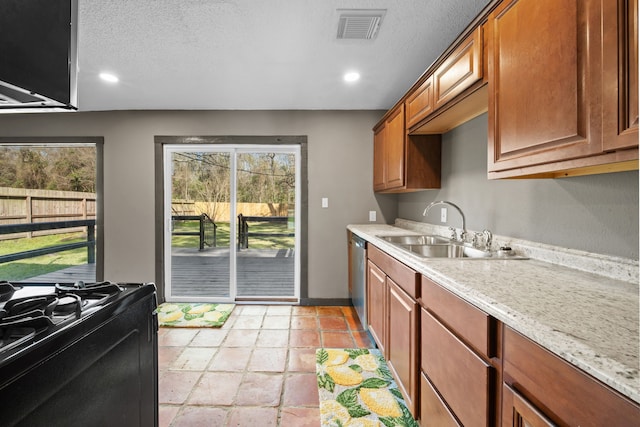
404	276
433	411
469	323
563	392
461	377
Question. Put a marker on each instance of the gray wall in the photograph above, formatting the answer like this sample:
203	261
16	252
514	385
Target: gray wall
340	168
597	213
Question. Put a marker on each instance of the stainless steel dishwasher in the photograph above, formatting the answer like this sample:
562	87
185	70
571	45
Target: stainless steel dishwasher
358	279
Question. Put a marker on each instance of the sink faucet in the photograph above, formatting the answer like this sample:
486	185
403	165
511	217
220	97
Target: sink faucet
463	233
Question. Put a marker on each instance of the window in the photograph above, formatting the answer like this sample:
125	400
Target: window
50	208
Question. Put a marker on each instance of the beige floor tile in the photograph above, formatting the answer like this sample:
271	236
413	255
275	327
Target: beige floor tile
241	338
248	322
279	310
209	337
216	388
231	359
177	336
253	416
268	360
193	359
273	338
277	322
175	387
260	389
199	416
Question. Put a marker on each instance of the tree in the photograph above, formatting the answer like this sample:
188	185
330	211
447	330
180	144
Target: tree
48	167
32	169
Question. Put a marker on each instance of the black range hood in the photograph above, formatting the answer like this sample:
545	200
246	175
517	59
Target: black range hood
38	54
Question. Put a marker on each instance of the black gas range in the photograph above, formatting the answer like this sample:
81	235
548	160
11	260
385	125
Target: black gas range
78	354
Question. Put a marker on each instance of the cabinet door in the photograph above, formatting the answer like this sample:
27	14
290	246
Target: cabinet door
376	305
379	177
459	71
620	73
402	344
394	145
544	82
420	103
518	412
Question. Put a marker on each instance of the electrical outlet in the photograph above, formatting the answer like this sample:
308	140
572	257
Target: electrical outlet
325	202
372	216
443	215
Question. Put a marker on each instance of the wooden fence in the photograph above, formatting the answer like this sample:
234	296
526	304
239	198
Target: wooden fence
27	206
220	211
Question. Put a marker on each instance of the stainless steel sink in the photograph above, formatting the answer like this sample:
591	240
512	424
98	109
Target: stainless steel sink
432	246
425	239
450	250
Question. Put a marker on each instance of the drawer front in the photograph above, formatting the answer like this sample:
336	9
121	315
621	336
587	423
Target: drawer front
404	276
471	324
461	377
433	411
563	392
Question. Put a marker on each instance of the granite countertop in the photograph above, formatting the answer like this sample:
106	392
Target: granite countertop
590	320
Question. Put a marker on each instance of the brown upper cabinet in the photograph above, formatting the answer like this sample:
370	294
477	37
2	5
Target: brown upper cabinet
388	153
562	87
435	106
401	162
620	73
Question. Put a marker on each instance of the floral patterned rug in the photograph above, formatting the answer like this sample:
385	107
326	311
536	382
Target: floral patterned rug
193	315
357	390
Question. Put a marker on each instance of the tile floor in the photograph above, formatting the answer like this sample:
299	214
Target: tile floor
257	370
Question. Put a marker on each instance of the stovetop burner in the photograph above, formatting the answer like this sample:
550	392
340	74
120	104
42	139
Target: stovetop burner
23	318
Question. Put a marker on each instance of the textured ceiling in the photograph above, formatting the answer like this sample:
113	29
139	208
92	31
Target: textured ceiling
256	54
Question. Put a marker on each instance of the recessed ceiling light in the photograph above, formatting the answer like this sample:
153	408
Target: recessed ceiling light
108	77
351	76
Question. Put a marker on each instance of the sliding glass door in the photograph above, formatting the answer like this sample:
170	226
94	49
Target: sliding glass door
231	222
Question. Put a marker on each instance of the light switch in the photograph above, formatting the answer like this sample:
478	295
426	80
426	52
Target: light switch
325	202
372	216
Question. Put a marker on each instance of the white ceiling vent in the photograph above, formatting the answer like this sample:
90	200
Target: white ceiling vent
359	23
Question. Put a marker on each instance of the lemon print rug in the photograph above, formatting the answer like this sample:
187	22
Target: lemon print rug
356	389
193	315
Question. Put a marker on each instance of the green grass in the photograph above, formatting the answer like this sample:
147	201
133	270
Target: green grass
31	267
26	268
222	235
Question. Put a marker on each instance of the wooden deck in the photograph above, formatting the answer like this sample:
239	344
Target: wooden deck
261	273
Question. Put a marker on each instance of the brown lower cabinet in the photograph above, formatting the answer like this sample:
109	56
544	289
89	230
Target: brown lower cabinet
377	305
457	366
403	343
457	344
393	319
541	389
461	377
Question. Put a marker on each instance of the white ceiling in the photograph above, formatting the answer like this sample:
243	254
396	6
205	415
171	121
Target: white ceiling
256	54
